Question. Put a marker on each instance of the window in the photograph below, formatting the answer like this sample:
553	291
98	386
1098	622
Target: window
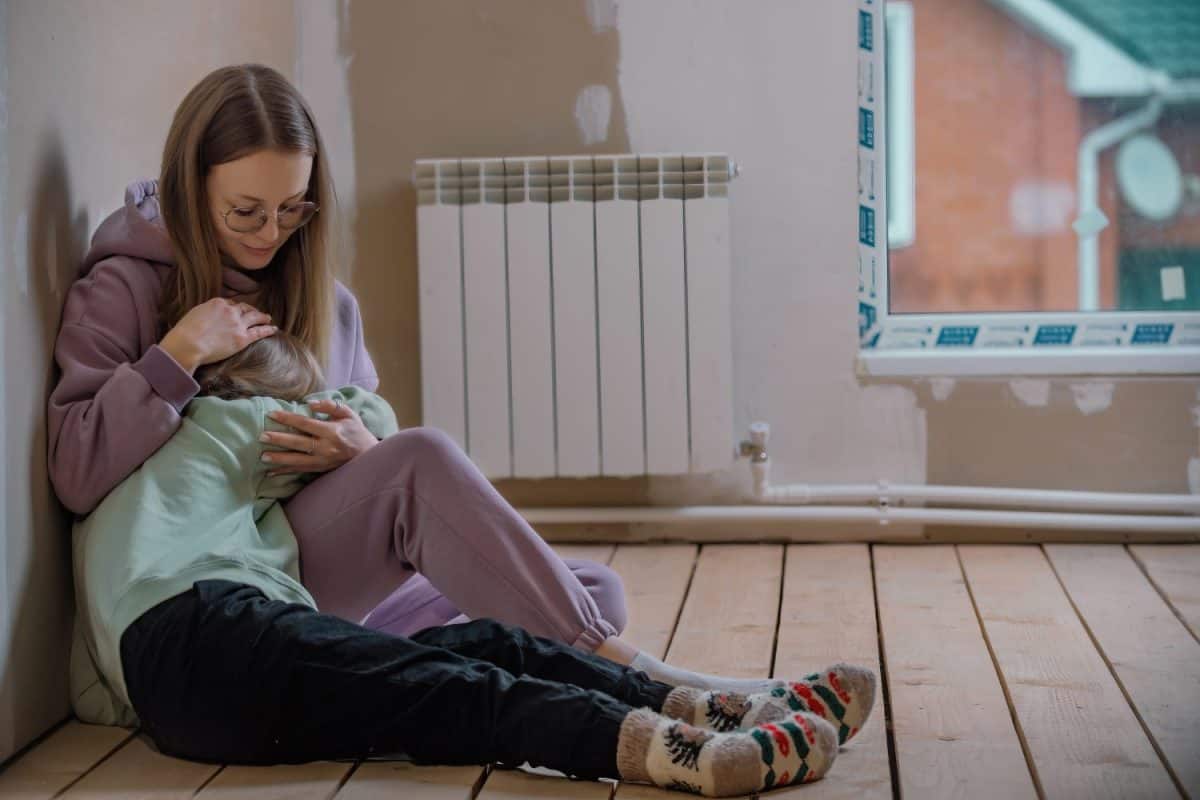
1035	166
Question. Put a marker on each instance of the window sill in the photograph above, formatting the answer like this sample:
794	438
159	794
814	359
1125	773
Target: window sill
1013	362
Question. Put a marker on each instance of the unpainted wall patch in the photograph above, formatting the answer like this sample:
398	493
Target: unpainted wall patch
1091	398
1031	392
602	14
593	107
942	388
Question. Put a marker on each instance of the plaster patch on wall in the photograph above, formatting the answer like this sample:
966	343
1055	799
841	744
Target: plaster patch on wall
1092	397
1036	208
942	387
593	107
602	14
1031	392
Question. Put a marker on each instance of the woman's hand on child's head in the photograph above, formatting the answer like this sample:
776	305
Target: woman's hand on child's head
318	445
214	330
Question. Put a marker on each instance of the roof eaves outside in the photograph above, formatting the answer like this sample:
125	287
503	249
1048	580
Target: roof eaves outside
1096	67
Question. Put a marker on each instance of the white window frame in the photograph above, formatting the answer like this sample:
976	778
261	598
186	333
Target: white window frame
975	343
901	155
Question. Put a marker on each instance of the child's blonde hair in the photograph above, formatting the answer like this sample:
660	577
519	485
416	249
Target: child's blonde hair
277	366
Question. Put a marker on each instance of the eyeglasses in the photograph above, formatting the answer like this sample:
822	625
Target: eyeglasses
251	220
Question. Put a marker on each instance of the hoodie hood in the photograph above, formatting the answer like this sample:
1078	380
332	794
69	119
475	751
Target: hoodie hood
136	230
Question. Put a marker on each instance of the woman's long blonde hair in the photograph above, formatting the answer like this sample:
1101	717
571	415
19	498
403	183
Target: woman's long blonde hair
234	112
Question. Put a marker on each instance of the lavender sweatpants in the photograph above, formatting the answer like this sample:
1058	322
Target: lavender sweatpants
411	534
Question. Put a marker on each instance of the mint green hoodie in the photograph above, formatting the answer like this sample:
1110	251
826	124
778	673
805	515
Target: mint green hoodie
200	508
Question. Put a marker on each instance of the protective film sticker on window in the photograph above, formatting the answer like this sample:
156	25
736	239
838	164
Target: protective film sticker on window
871	243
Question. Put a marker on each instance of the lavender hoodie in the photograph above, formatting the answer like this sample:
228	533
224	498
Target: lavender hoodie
120	395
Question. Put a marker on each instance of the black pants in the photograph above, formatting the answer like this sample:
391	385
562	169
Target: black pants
222	674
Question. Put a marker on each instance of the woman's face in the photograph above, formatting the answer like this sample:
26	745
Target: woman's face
267	179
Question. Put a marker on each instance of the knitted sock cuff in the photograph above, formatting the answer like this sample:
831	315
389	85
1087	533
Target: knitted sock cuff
681	703
633	744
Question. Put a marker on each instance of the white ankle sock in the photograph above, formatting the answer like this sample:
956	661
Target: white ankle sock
675	676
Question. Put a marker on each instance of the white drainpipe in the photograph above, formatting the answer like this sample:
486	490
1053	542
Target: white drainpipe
1091	219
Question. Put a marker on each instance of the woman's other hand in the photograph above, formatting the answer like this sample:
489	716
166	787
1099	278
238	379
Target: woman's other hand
215	330
317	445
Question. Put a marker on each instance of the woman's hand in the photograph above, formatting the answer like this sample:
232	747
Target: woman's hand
214	330
318	445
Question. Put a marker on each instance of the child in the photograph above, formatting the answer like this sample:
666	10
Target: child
201	506
193	623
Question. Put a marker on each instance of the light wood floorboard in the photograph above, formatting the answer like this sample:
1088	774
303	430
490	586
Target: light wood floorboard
656	580
727	626
394	780
1175	571
1092	650
1083	737
1153	655
954	736
827	616
728	622
139	772
316	781
59	760
600	553
537	783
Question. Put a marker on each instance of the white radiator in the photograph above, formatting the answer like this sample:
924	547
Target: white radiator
575	312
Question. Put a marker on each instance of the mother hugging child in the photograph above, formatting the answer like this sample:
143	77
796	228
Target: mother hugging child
244	503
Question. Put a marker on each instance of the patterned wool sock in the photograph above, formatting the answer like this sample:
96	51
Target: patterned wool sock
665	673
675	755
843	694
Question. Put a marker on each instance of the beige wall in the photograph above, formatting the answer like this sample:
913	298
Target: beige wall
91	87
90	93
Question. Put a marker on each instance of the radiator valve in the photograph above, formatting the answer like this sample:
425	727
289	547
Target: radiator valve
756	446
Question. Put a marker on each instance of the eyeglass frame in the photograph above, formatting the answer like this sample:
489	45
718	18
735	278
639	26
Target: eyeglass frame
264	216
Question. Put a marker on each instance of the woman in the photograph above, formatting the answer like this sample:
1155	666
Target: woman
229	247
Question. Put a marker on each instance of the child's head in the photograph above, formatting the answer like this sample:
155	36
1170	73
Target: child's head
277	366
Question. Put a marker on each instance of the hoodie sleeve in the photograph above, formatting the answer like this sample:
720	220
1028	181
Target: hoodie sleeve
362	369
113	406
377	416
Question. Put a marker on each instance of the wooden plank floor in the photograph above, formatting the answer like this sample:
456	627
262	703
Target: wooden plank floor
1009	671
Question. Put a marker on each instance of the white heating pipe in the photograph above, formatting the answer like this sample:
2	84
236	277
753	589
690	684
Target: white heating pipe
884	494
882	516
